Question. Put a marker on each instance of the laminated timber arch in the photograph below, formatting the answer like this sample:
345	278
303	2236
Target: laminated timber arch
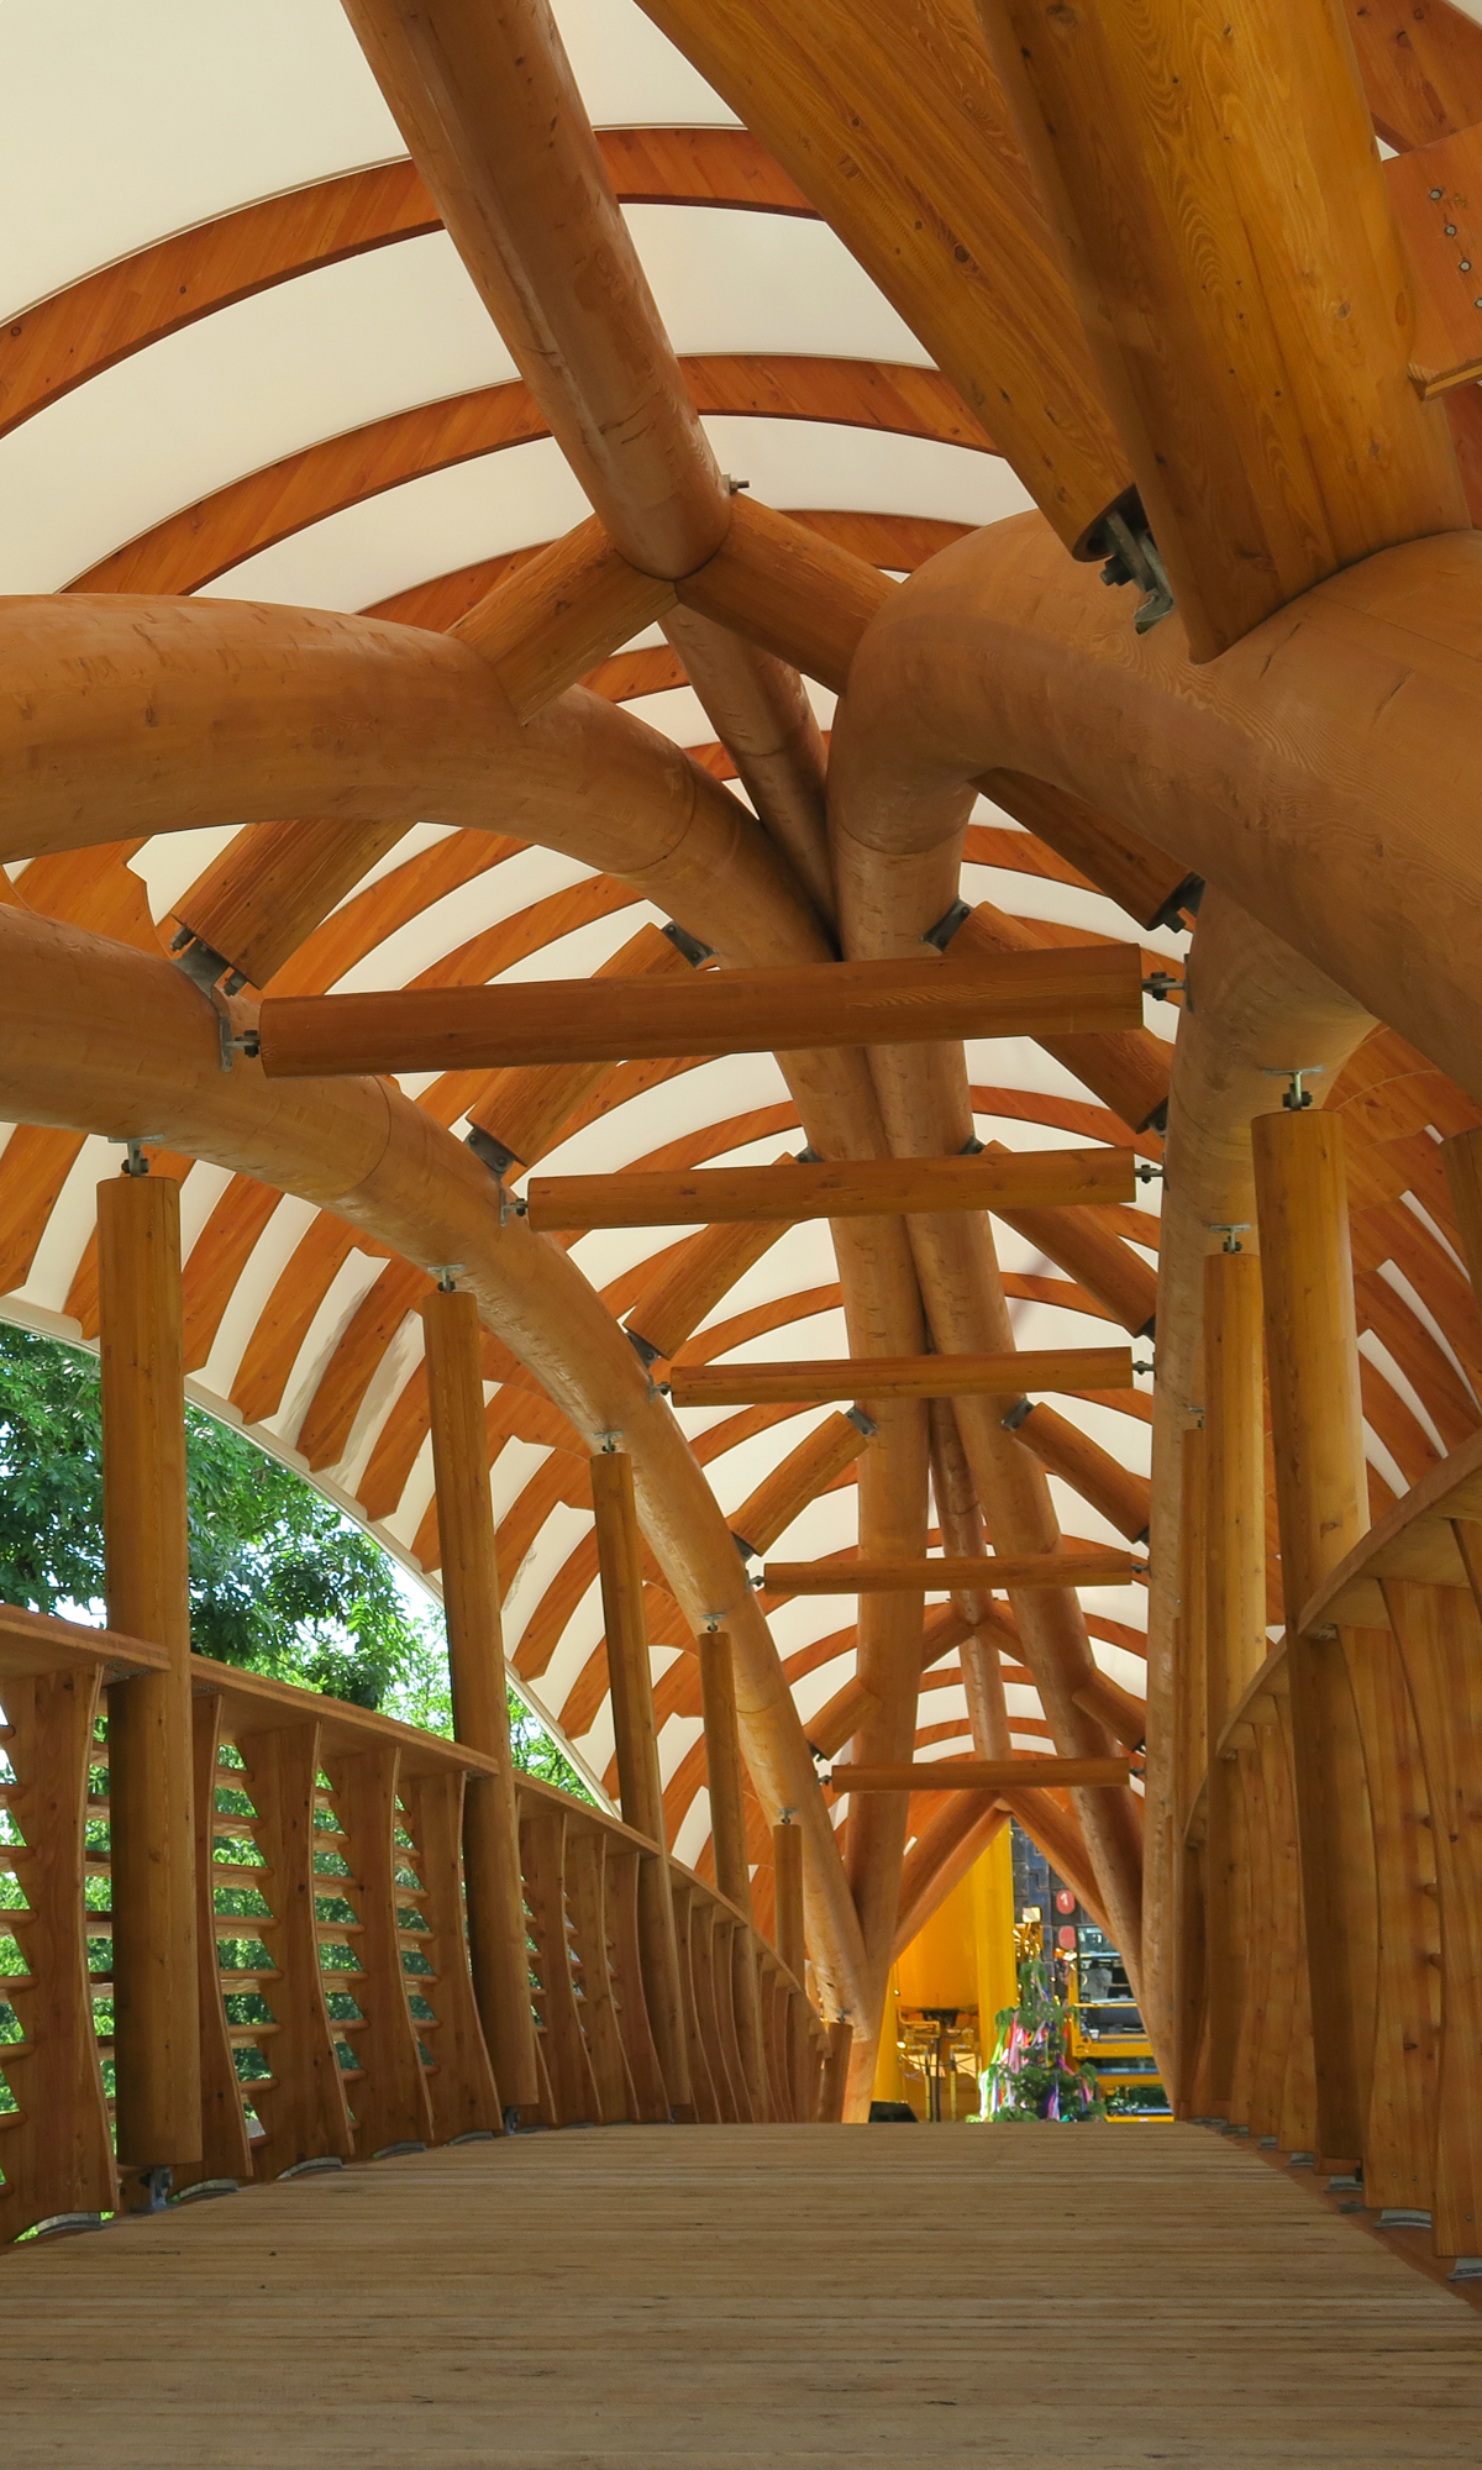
296	628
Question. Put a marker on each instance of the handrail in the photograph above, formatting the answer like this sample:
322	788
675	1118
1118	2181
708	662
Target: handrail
1413	1540
338	2016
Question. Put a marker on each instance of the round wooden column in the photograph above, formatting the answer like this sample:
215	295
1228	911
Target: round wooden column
1235	1615
156	1995
1322	1504
1190	1770
728	1836
491	1832
636	1741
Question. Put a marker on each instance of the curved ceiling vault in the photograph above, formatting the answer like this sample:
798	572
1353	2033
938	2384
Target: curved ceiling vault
240	357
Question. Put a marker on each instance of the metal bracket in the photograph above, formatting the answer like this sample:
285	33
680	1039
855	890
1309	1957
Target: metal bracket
1134	559
446	1273
1019	1413
135	1162
1149	1174
1162	986
1238	1226
1150	1369
609	1441
1294	1097
940	935
690	945
490	1153
861	1422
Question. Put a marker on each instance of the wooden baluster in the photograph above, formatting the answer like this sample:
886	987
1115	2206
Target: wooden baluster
586	1910
1297	2126
775	2010
461	2089
390	2102
620	1905
1235	1623
155	1959
303	2109
226	2151
1281	1928
1322	1505
834	2083
58	2156
729	1935
728	1838
640	1790
1440	1635
703	1966
1252	1850
542	1849
787	1855
1190	2089
702	2090
470	1573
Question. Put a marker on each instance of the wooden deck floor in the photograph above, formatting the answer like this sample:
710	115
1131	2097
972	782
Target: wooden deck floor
801	2295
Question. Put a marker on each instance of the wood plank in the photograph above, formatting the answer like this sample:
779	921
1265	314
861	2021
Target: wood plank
303	2109
1436	194
719	1012
390	2101
979	1774
848	1188
33	1644
226	2152
902	1376
1038	1569
460	2085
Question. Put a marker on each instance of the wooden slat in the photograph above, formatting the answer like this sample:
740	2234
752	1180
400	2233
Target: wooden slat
850	1188
902	1376
1039	1569
723	1012
1415	1541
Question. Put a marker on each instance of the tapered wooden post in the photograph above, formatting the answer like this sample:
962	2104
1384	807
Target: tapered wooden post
1235	1613
1191	1763
150	1787
1322	1504
491	1829
791	1943
728	1836
640	1786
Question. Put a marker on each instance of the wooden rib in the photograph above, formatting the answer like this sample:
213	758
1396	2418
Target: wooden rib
1119	862
1122	1497
1421	67
920	1376
1110	1567
218	1258
735	1011
77	333
283	1324
693	1277
813	1467
979	1774
1128	1068
855	1188
571	604
324	1435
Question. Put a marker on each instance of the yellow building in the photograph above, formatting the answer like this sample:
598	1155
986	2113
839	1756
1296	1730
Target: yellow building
960	1966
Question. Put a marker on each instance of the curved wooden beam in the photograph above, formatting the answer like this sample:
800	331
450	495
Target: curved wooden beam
106	317
200	542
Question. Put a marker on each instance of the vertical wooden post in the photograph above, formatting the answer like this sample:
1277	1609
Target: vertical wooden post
1190	1768
1235	1618
640	1788
787	1856
1322	1505
728	1835
150	1780
491	1827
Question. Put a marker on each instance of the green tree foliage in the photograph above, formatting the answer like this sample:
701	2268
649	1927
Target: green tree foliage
280	1581
1029	2075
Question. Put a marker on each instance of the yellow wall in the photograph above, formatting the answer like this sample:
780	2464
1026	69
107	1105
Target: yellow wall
963	1958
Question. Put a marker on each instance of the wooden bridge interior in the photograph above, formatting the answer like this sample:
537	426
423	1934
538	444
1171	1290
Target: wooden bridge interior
741	873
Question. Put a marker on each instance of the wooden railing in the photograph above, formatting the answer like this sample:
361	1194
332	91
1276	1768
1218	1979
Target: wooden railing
1279	2031
338	2018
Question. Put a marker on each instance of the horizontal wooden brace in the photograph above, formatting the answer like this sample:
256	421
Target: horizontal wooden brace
848	1188
721	1012
980	1774
1027	1569
901	1376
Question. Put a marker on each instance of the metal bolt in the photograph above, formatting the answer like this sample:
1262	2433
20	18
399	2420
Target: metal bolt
1451	231
1437	193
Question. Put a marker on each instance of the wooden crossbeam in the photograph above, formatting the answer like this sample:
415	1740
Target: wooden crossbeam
979	1774
722	1012
818	1382
848	1188
1025	1569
